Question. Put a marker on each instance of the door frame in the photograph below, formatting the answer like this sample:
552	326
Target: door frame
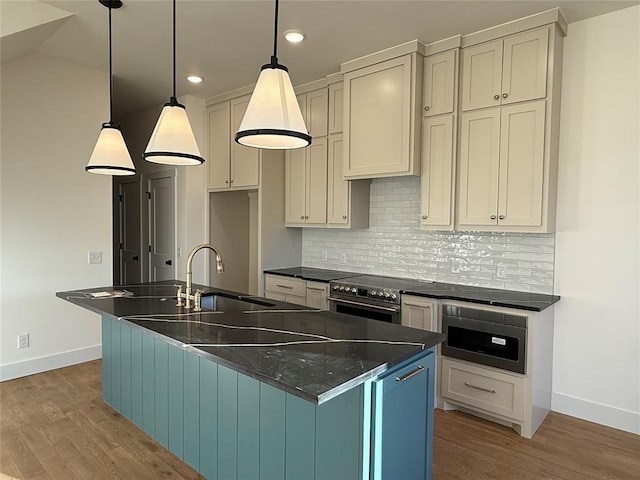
117	225
145	219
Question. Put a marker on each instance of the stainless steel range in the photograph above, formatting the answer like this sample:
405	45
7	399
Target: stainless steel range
369	296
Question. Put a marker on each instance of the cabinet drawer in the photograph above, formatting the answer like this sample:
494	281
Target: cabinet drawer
483	388
286	286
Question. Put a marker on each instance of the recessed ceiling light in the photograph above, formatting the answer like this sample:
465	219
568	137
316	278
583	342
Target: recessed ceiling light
294	36
194	78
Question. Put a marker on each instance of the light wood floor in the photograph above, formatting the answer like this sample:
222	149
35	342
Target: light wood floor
55	426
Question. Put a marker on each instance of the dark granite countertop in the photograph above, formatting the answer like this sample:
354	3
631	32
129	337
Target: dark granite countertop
535	302
313	274
314	354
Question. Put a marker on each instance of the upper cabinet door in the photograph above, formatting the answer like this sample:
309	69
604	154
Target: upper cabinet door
522	164
378	120
317	112
482	75
218	146
244	160
436	182
479	165
317	181
439	83
336	110
295	185
337	188
525	66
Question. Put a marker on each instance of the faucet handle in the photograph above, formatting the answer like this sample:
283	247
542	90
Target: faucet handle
197	300
179	294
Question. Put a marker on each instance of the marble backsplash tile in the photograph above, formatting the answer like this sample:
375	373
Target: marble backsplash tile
394	245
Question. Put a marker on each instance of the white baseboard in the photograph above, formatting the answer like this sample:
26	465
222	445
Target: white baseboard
615	417
49	362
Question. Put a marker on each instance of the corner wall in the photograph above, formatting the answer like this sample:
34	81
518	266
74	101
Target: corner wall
597	322
53	212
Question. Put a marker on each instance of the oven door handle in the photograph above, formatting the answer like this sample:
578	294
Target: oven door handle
367	305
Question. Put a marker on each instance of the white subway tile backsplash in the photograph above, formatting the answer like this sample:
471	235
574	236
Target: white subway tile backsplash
394	245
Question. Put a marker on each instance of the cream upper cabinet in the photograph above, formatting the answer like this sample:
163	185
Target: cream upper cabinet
501	178
437	178
513	69
306	184
418	312
336	110
439	83
314	106
347	201
229	164
380	121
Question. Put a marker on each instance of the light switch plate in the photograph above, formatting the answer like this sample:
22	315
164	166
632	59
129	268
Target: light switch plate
95	257
343	258
324	256
501	271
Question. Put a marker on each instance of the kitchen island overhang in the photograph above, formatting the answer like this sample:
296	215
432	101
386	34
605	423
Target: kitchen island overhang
312	389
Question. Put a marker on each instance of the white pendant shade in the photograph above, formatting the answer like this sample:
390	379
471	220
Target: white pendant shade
273	119
110	155
172	141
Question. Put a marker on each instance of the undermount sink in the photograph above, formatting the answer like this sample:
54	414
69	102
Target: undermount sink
218	301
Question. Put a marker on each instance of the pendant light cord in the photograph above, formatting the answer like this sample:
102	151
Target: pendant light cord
174	51
275	36
110	74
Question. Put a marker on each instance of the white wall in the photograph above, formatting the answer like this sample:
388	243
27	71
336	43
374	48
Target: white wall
597	322
53	212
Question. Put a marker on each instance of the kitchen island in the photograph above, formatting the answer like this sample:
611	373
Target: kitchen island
254	388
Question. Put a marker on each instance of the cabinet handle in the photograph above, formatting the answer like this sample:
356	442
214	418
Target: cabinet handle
415	305
407	376
505	95
284	286
492	217
301	217
306	217
496	97
501	217
344	217
466	384
230	181
424	217
426	109
316	288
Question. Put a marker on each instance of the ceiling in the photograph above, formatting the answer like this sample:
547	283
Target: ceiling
227	41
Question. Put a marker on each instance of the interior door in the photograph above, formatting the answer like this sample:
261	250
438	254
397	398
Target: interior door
162	228
129	232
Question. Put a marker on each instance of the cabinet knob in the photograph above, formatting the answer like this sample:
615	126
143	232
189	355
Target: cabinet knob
344	217
496	97
226	181
306	217
493	217
501	217
424	217
505	95
230	181
301	217
426	109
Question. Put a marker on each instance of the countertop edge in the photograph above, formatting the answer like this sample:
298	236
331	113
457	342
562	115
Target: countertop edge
493	303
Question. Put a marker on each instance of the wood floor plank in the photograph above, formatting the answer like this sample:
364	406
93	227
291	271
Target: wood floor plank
55	426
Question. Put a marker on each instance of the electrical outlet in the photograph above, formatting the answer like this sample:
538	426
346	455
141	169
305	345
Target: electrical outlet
343	258
95	257
501	271
324	256
23	341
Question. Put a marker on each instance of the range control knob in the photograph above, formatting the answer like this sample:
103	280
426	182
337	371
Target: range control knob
341	288
373	293
353	290
387	295
394	296
335	288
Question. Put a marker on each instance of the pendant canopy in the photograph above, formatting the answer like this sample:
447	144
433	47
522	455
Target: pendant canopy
273	119
172	141
110	155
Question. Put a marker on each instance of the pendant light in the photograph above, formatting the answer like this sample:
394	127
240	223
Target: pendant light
110	155
273	119
172	141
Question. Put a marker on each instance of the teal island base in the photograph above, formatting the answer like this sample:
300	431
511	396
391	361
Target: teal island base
227	425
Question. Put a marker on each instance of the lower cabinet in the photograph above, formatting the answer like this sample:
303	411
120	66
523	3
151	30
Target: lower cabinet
227	425
418	312
294	290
